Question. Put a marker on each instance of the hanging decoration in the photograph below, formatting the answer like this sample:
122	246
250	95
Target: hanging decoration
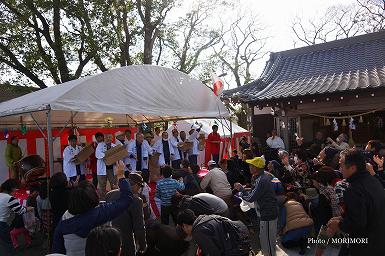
174	125
327	123
108	121
144	126
23	129
6	134
343	122
335	125
361	120
340	116
352	126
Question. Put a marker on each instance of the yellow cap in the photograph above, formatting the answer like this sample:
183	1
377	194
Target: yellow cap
258	162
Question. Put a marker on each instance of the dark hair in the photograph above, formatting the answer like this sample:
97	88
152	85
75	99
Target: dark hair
82	198
9	185
43	193
325	175
375	145
187	217
72	137
223	161
58	180
103	241
355	157
14	137
99	134
167	171
292	195
248	153
185	163
302	155
215	126
127	131
195	169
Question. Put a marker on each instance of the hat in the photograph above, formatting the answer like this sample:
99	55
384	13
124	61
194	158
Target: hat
311	193
211	162
136	178
258	162
119	133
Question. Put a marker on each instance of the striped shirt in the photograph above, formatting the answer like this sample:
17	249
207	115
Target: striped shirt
166	188
9	206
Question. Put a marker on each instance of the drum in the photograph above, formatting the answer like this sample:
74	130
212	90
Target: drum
31	167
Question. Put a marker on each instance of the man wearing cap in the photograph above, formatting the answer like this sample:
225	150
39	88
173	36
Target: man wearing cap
131	221
264	199
74	172
216	179
214	140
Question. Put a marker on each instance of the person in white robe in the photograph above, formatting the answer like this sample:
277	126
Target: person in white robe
73	171
104	172
165	149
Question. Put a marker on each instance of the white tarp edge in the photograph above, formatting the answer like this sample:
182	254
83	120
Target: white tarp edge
132	94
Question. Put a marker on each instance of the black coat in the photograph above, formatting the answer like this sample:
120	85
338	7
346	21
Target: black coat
365	214
130	224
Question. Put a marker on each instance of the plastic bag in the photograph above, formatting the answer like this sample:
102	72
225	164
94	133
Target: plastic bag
31	223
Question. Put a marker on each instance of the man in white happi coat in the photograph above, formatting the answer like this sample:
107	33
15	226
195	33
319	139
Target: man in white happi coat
194	151
178	155
104	172
120	139
165	149
73	171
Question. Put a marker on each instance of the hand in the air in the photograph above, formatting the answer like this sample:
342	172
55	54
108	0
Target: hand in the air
120	167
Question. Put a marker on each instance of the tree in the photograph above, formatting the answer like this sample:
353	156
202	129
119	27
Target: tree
152	13
340	21
241	46
194	34
35	42
375	10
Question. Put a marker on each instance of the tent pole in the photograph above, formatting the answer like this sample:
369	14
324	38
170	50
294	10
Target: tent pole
231	137
50	143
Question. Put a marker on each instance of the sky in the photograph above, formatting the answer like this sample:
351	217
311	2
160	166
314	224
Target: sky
277	16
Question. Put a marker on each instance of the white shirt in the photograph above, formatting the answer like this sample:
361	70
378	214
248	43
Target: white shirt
125	160
174	143
158	147
277	142
132	152
193	138
157	138
101	168
69	167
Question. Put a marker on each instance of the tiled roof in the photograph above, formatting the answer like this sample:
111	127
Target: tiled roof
342	65
11	91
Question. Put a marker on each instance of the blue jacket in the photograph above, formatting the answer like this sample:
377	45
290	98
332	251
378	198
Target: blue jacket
263	196
82	224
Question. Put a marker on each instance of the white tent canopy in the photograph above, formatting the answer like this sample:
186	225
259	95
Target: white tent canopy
127	95
185	125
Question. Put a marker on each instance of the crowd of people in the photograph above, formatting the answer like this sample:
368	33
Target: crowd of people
323	190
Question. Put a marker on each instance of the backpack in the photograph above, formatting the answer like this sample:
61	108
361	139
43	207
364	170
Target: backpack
236	237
